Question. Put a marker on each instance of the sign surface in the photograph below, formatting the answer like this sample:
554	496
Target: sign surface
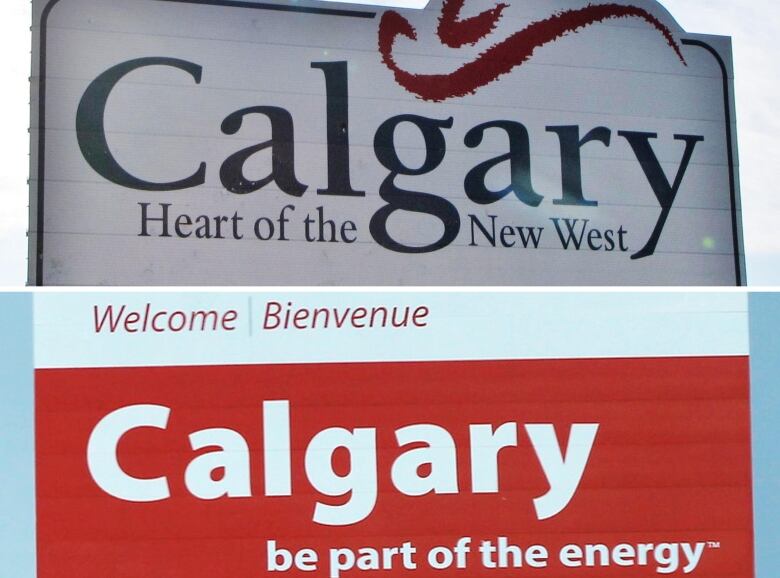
216	142
629	457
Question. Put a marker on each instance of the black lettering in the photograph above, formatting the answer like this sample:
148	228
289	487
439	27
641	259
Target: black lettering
145	219
571	161
594	235
182	221
664	192
326	224
621	235
337	97
346	228
402	200
283	220
489	235
282	154
609	240
203	224
519	157
91	131
507	231
570	236
269	226
530	235
235	219
307	223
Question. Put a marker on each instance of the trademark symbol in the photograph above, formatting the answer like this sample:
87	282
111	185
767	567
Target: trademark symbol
713	545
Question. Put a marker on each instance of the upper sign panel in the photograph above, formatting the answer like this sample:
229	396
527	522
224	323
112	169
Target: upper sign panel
546	142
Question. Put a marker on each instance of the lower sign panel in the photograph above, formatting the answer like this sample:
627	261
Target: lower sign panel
587	468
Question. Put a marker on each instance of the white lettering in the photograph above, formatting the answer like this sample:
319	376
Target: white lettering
440	455
360	482
232	458
563	473
276	454
485	445
429	466
103	462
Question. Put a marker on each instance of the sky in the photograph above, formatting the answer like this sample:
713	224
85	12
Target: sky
17	500
765	407
752	25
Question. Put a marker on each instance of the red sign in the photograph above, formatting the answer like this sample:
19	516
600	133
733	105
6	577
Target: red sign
587	468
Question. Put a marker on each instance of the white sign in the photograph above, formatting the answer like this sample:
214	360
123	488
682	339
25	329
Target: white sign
217	142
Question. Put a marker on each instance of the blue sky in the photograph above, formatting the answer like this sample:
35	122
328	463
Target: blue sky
764	368
17	538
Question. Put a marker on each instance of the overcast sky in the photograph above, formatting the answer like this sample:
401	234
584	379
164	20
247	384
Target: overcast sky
752	25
